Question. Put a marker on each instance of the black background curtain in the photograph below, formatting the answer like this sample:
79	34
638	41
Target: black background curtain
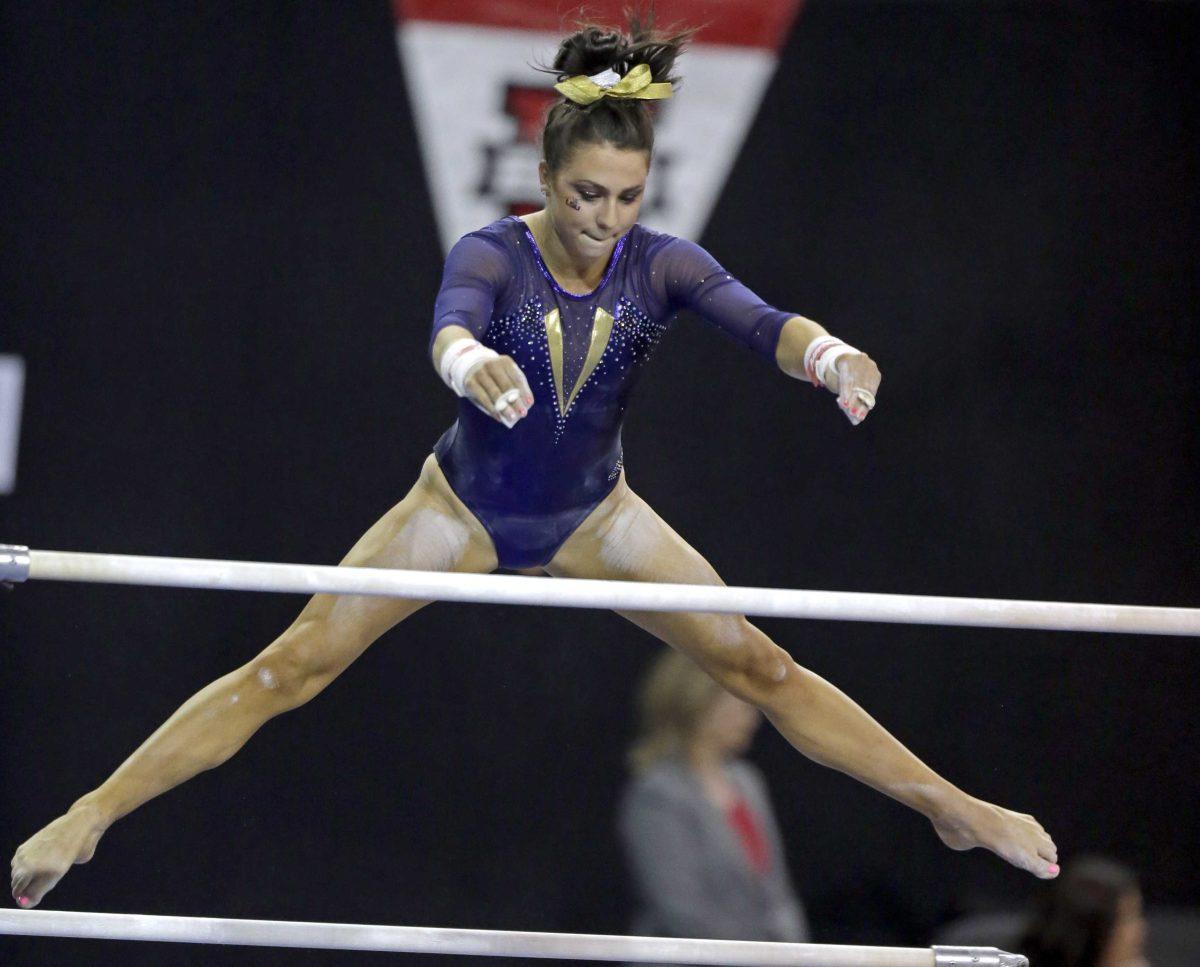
219	260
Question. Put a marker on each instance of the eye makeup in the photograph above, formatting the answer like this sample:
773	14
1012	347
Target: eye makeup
589	192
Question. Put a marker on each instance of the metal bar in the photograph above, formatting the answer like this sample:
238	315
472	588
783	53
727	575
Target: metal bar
478	943
618	595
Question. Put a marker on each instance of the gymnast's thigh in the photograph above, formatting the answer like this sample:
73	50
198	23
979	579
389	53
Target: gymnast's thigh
623	539
429	530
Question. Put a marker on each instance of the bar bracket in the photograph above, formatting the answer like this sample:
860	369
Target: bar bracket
976	957
14	563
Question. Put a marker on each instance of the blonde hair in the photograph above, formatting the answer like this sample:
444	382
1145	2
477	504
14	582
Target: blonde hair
672	697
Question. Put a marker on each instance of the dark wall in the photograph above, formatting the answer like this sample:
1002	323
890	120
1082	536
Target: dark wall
219	261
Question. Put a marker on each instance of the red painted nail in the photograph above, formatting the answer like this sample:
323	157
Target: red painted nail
23	900
1054	868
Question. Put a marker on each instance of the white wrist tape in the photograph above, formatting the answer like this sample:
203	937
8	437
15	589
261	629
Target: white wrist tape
821	356
459	358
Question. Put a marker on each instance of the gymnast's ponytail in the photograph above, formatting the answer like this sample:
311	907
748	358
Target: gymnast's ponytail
624	122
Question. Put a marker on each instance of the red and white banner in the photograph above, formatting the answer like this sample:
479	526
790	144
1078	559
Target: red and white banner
478	104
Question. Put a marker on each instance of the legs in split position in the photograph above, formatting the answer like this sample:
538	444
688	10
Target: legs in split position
624	539
428	530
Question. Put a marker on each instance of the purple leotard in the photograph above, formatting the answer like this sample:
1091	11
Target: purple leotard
531	486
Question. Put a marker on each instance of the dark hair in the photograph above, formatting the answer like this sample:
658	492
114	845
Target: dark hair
623	123
1074	916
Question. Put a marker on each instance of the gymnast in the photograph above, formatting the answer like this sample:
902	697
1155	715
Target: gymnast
541	327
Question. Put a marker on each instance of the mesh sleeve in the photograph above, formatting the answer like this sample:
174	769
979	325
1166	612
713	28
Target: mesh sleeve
685	276
472	281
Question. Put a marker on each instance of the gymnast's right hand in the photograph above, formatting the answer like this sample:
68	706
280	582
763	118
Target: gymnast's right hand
499	388
494	383
43	859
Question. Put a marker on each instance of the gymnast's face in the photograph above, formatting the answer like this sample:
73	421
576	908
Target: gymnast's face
594	198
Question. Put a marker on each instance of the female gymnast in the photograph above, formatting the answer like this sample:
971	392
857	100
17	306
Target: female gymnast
541	326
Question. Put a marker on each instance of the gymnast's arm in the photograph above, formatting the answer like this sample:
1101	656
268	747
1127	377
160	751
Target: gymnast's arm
474	278
693	279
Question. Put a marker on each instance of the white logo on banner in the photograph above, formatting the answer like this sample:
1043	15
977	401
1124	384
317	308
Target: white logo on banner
12	384
479	120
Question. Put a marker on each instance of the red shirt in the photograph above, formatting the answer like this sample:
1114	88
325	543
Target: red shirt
750	833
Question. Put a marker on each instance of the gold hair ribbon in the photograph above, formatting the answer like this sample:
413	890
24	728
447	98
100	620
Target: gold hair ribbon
636	84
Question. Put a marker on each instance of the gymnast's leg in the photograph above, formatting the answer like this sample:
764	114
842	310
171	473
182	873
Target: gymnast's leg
624	539
429	529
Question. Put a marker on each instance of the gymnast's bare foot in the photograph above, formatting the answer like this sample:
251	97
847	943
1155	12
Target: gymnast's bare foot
1015	837
43	859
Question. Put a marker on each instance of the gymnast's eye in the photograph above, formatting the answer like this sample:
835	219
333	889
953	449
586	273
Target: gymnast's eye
588	195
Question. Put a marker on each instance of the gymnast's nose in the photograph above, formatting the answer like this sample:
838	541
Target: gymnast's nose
606	217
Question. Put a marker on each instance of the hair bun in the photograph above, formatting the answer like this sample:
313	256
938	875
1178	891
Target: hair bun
624	123
590	51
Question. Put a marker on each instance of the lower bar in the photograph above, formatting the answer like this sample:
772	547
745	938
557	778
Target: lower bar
484	943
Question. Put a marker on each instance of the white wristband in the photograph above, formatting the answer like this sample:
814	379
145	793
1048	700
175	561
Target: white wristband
459	358
828	362
821	356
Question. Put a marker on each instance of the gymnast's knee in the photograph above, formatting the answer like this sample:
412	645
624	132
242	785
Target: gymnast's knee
749	664
294	667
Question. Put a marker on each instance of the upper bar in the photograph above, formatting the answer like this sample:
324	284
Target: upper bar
484	943
619	595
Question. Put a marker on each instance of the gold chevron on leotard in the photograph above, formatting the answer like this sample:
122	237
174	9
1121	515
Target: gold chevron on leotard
554	340
602	325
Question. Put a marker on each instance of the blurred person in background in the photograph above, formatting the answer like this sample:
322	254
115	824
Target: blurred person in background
1091	916
695	820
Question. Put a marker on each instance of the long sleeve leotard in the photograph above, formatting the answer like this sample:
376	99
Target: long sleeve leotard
532	485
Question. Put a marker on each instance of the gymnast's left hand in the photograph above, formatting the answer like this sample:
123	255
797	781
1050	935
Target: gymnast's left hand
858	380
